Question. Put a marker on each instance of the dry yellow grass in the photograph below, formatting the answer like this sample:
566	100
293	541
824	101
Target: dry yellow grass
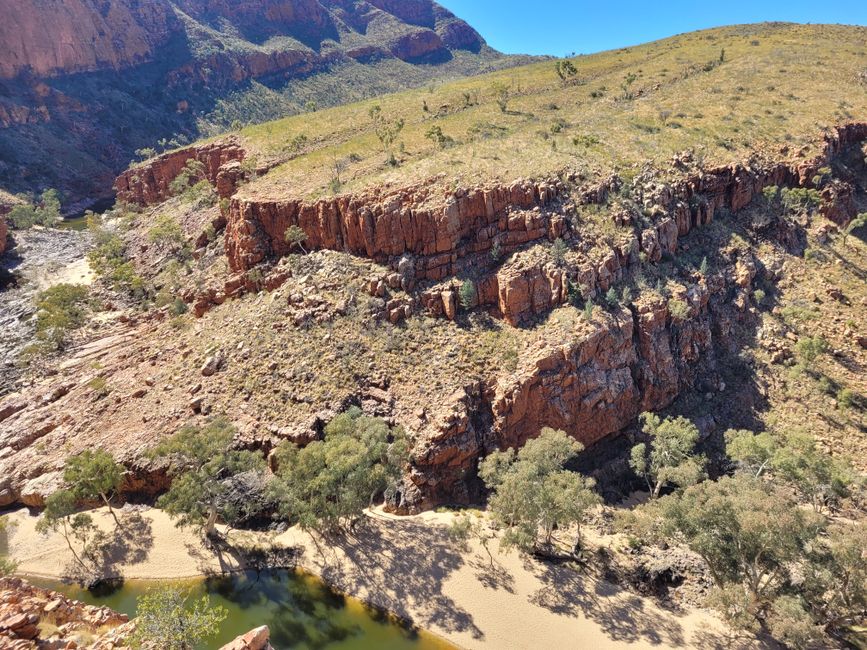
726	93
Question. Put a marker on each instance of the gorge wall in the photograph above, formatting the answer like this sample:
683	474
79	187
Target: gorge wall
87	83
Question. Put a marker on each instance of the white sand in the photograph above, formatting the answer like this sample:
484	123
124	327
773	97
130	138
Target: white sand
409	566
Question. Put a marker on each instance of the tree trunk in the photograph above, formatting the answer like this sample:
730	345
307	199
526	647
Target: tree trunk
110	509
72	550
211	523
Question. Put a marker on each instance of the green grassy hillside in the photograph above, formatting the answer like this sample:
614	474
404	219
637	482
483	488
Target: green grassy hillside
726	94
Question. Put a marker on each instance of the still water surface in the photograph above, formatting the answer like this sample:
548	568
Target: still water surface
302	612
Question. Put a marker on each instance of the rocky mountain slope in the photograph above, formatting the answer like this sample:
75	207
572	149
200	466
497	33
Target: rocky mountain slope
648	260
85	84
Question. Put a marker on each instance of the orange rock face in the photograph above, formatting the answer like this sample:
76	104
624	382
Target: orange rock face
149	183
80	35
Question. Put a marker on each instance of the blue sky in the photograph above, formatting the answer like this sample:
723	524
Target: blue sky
560	27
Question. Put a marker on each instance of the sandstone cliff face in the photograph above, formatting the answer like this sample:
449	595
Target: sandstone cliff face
149	183
79	75
69	36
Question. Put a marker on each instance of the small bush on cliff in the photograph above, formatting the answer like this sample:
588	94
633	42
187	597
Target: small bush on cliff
467	294
330	482
202	461
168	618
93	475
442	140
532	492
678	309
669	459
167	232
295	237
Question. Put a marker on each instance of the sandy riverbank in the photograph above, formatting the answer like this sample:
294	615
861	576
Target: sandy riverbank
409	566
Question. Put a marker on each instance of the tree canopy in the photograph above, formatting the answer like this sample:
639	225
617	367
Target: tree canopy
670	457
94	474
532	492
170	619
202	462
330	482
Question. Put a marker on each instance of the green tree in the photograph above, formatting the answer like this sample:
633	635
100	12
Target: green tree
170	619
330	482
46	213
386	131
626	86
442	140
794	459
532	492
466	528
94	475
467	294
750	534
835	582
671	457
166	231
61	515
295	237
202	461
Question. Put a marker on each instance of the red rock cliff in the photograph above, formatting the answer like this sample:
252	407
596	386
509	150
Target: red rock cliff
66	36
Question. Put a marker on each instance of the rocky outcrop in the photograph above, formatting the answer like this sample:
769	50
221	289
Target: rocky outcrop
387	226
23	607
4	234
592	385
149	183
258	639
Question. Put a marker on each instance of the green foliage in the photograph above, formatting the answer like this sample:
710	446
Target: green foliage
94	475
858	222
467	528
7	566
167	618
61	515
386	131
704	269
192	185
442	140
532	492
295	237
611	298
167	232
501	95
330	482
60	310
671	457
750	534
810	348
835	580
467	294
626	85
800	199
565	69
794	459
202	461
678	309
588	310
109	260
558	252
46	213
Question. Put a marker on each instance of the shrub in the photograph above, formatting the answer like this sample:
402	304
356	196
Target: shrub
670	457
558	252
166	231
565	70
442	140
386	131
678	309
46	213
60	309
167	618
501	95
467	294
295	237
